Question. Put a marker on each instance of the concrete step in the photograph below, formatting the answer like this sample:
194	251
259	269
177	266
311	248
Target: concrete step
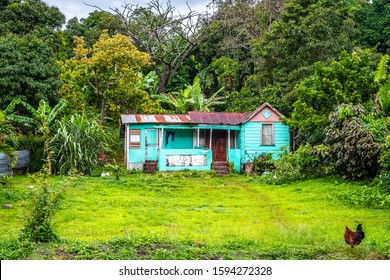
222	168
150	166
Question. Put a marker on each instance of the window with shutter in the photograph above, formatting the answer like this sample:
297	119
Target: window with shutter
135	139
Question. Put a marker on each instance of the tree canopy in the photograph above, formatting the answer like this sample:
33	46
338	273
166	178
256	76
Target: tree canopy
106	76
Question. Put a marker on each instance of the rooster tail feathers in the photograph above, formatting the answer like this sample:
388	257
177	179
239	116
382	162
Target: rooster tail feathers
359	233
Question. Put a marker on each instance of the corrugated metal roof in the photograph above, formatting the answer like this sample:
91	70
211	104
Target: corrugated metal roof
195	117
217	118
154	118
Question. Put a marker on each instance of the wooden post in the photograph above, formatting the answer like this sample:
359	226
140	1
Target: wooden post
211	137
227	156
127	136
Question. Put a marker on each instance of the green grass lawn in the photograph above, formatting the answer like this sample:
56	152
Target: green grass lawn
182	216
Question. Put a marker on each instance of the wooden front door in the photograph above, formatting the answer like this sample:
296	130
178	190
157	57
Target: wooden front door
219	144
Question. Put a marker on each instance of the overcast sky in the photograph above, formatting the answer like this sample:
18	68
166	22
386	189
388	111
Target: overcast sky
77	8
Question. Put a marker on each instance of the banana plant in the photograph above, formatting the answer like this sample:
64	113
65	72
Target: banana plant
41	120
382	77
191	99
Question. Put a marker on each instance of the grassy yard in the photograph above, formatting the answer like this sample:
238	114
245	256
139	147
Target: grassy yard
197	216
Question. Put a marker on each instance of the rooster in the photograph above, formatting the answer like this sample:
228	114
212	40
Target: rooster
354	238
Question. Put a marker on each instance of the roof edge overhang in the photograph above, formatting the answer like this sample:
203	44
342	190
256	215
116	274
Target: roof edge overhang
199	126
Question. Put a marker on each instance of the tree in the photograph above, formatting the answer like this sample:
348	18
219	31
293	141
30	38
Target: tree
347	80
239	22
374	21
41	120
167	37
90	28
28	70
106	76
23	17
32	17
306	32
226	54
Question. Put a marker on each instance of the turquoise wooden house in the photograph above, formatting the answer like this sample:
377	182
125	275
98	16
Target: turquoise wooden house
202	140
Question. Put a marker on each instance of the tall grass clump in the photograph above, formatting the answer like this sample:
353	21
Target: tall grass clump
77	144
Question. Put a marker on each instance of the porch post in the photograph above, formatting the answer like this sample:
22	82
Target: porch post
211	137
227	156
161	144
197	137
127	136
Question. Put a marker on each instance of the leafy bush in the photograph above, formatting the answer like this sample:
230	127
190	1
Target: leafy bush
44	202
262	163
306	162
384	159
353	147
382	180
117	169
6	180
78	143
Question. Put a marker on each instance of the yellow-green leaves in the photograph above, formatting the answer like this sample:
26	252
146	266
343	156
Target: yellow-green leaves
105	76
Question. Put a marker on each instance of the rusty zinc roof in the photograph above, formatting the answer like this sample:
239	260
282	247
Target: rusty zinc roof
217	117
213	118
195	117
155	118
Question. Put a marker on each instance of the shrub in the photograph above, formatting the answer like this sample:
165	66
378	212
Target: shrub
6	180
384	159
382	180
353	147
44	202
306	162
262	163
117	169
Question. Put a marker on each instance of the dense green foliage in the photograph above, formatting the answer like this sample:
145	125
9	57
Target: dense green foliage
346	80
374	22
28	70
353	146
28	46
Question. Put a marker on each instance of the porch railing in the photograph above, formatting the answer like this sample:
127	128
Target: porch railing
184	159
